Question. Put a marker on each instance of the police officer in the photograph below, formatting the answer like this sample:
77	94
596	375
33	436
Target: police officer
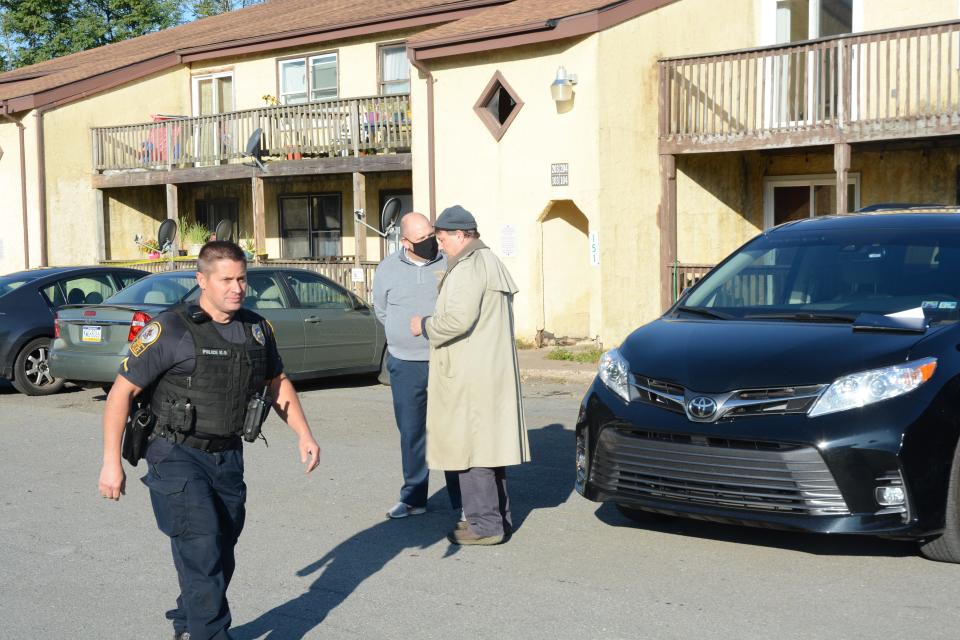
201	365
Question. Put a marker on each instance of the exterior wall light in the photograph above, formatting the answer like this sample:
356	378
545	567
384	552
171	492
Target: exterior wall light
562	87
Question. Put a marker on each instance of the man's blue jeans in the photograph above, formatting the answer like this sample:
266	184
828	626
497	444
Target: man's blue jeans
408	382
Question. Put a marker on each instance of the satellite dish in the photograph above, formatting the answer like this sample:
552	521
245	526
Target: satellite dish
253	149
224	230
390	216
168	231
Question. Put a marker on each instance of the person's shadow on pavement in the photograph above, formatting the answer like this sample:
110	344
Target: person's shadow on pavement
545	483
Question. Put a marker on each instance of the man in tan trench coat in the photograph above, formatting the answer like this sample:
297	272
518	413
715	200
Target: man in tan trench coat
474	412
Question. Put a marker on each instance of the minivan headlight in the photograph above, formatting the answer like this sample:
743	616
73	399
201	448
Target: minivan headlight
615	373
867	387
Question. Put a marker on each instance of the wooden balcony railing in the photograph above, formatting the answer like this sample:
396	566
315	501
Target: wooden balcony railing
379	124
870	86
684	276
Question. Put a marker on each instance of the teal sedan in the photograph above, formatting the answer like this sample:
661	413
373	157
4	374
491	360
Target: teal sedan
322	329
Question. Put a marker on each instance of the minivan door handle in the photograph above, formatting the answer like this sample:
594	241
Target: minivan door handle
313	319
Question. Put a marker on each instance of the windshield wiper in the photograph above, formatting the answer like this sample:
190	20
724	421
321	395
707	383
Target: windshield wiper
700	311
803	316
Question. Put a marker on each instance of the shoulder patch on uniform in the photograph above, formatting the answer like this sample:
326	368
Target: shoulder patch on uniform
257	331
123	363
147	336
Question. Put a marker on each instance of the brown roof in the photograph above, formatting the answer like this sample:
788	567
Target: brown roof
271	25
501	26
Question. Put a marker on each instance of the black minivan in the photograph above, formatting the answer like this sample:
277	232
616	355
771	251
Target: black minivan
809	382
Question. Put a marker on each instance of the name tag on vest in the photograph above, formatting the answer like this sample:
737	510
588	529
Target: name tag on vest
215	352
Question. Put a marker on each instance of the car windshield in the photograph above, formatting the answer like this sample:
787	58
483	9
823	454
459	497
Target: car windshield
15	280
833	276
163	288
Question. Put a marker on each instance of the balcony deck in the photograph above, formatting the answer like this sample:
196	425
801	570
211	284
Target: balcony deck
882	85
372	133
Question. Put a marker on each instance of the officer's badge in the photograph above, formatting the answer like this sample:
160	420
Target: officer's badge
147	336
257	331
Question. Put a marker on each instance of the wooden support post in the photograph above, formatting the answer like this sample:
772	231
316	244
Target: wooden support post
173	211
667	220
355	127
259	216
841	164
360	231
101	223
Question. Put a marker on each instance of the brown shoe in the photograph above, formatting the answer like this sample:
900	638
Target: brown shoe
462	525
467	536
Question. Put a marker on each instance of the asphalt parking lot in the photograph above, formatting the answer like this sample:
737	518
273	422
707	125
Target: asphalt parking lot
319	560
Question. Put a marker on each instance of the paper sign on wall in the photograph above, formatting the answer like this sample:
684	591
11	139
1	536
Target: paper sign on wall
357	275
508	241
594	249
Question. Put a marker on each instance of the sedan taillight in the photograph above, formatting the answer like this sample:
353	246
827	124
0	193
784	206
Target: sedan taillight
56	325
140	320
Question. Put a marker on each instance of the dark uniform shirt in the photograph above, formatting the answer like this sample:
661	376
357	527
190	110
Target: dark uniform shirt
166	346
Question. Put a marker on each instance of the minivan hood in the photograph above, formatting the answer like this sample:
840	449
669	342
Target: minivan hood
714	356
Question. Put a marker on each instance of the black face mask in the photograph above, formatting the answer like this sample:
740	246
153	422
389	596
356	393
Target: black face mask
426	249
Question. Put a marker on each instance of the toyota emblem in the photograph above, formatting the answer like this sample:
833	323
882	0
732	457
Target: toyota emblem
702	407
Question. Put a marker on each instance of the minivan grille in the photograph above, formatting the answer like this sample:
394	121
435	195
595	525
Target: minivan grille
734	474
736	404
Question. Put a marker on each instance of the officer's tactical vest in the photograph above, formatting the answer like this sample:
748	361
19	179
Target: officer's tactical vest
227	375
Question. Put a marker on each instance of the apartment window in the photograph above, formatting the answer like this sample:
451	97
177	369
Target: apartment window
790	198
211	211
213	94
394	70
308	79
498	105
807	19
311	225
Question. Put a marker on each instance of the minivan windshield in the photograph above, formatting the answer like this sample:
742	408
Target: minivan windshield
836	275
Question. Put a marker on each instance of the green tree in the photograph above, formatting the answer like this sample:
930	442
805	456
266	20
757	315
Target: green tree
37	30
204	8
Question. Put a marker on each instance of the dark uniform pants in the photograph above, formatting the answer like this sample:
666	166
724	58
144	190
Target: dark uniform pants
198	499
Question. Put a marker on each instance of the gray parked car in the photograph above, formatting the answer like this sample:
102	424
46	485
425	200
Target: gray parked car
322	329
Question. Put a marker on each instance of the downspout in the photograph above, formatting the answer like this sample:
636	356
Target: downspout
431	153
23	188
42	185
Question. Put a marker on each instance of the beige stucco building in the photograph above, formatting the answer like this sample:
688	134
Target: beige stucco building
643	211
692	125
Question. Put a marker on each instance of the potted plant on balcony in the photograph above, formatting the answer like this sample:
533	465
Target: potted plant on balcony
194	236
151	248
248	247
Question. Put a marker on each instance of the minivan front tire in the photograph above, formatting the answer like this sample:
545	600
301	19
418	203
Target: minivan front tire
946	546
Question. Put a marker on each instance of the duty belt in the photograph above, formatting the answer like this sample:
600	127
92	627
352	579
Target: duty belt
208	445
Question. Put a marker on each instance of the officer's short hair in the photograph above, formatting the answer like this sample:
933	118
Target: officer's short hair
218	250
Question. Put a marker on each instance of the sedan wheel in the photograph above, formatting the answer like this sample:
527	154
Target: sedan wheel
31	374
383	377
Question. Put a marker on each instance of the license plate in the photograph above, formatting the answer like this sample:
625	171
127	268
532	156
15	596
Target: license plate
91	334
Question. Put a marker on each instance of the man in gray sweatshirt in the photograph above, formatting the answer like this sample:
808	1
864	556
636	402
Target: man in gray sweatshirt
406	285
